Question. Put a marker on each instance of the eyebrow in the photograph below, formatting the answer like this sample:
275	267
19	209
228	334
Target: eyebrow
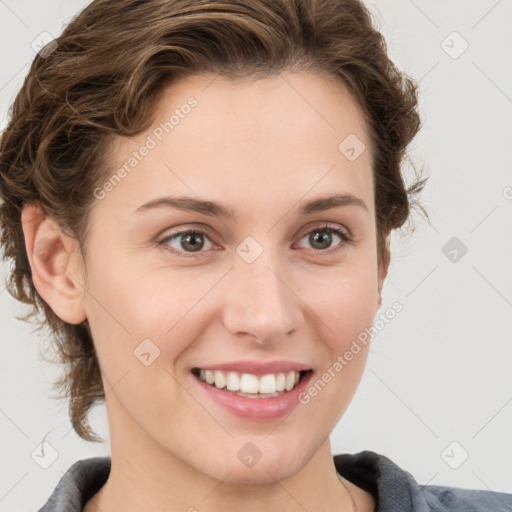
214	209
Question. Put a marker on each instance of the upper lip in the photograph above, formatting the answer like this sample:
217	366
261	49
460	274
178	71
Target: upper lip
257	367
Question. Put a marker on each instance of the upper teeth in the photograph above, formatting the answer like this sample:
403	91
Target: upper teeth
249	383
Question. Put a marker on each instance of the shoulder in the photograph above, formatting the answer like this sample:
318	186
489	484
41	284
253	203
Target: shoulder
396	490
78	484
443	498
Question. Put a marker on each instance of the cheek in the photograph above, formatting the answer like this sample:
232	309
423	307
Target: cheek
145	317
344	305
345	301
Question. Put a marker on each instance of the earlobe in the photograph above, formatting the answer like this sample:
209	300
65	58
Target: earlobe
55	264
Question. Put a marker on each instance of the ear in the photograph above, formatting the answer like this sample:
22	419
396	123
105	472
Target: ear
383	268
55	262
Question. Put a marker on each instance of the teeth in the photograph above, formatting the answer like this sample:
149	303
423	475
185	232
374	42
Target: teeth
290	381
220	379
270	384
280	381
232	381
249	383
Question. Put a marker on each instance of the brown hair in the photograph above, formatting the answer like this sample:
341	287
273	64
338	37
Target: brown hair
103	78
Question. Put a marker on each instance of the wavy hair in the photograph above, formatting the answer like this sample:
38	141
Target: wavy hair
102	78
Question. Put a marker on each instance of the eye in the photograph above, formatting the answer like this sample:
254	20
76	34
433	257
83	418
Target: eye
187	242
191	241
321	238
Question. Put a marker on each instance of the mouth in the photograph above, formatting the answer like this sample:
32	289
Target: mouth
248	385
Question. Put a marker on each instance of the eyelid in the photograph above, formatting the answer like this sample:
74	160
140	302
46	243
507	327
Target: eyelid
338	230
325	225
187	228
343	234
162	241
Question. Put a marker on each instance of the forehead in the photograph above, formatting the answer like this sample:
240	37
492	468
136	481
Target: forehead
285	107
214	137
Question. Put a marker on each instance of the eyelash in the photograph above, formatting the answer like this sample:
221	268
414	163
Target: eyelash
346	240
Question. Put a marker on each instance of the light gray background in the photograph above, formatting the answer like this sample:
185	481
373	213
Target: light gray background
441	370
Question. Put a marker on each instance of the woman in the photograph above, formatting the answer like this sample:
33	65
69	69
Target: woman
199	196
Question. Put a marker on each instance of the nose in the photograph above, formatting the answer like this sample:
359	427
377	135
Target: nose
261	303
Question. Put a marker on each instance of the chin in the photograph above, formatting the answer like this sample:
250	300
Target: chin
260	474
257	461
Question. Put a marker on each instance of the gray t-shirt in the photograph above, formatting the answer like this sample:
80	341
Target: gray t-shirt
393	489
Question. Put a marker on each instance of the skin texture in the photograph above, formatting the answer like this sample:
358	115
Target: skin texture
262	148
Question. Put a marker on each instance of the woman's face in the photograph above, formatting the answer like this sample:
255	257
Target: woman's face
265	291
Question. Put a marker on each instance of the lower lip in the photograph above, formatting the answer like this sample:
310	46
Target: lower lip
257	408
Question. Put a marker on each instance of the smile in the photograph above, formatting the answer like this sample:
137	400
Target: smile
235	392
250	385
